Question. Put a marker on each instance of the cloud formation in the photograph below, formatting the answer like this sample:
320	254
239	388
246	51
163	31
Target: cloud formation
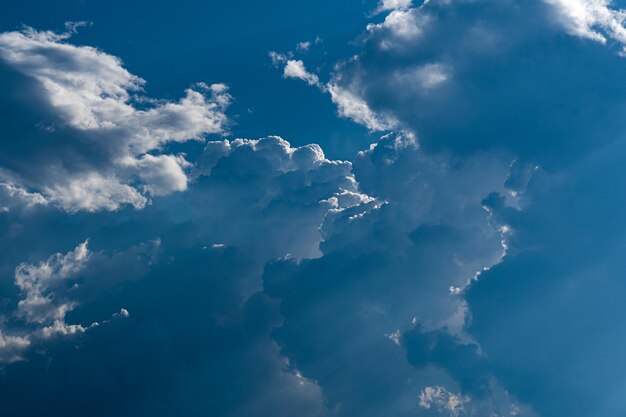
467	264
93	142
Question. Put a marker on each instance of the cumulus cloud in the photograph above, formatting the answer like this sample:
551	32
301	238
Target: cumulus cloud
101	140
12	196
591	19
220	340
442	71
38	282
296	69
385	5
53	288
387	265
461	74
246	190
403	24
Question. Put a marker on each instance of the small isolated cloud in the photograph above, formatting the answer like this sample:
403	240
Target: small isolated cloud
93	142
296	69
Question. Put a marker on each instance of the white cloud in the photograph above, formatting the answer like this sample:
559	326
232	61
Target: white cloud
38	283
351	105
161	174
94	98
43	303
385	5
296	69
246	191
54	287
93	192
12	196
12	347
443	400
591	19
405	25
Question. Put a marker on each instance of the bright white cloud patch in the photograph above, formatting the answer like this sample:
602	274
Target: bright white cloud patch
351	105
385	5
296	69
592	19
92	101
402	24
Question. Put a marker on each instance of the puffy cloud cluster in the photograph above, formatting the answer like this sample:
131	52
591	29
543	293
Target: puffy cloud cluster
247	190
88	139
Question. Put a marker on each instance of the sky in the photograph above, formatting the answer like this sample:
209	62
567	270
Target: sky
374	208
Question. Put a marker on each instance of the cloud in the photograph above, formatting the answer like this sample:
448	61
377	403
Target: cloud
82	112
246	190
352	106
349	103
197	325
38	282
461	75
545	314
591	19
385	273
296	69
443	400
53	288
404	24
431	275
385	5
12	196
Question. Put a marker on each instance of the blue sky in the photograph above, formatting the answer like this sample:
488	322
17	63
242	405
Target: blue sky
313	209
